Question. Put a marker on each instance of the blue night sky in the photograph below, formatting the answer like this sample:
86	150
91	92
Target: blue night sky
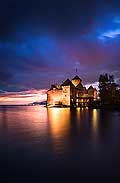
42	42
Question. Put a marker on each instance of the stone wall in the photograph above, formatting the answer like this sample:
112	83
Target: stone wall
66	95
54	97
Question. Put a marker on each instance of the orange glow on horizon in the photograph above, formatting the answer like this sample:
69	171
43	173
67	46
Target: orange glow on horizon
23	97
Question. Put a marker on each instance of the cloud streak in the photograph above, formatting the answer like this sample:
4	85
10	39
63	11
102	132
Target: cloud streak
23	97
110	34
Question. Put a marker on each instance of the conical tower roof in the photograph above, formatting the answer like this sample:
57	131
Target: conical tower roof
77	78
91	87
67	83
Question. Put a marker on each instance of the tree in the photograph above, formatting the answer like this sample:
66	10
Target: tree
108	89
103	88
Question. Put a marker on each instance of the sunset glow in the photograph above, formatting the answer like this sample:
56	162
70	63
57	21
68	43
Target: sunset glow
24	97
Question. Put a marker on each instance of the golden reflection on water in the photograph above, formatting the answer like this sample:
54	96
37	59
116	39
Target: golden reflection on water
34	124
59	120
95	123
78	113
95	120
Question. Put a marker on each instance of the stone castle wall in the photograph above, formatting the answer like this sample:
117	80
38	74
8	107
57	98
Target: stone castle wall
54	97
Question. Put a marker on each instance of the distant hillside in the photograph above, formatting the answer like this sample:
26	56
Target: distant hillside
39	103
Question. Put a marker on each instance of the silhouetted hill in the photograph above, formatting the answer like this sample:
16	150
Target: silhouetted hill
38	103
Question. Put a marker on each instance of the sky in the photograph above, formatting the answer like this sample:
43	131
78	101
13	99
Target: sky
43	42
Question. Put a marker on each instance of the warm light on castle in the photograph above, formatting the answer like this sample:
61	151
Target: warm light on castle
71	93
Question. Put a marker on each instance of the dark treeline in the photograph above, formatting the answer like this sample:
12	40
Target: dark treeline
109	91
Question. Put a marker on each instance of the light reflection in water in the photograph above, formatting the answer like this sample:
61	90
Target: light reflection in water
59	120
78	113
34	124
95	118
28	123
45	141
95	121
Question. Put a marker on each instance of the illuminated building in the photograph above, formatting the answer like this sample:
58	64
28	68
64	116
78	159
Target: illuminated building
70	93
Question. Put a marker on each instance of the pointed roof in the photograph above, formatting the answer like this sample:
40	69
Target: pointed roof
91	87
67	83
76	77
79	86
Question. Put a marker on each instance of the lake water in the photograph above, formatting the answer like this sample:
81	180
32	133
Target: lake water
36	142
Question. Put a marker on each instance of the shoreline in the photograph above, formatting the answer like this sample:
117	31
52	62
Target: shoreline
104	107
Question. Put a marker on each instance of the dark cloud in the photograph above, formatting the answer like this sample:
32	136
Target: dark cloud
57	14
44	41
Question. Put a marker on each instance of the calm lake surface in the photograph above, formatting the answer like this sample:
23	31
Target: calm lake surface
40	142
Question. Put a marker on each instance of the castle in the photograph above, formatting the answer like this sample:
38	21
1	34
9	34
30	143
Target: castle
71	93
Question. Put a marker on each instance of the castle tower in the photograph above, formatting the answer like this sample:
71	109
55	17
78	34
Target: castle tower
92	92
76	80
